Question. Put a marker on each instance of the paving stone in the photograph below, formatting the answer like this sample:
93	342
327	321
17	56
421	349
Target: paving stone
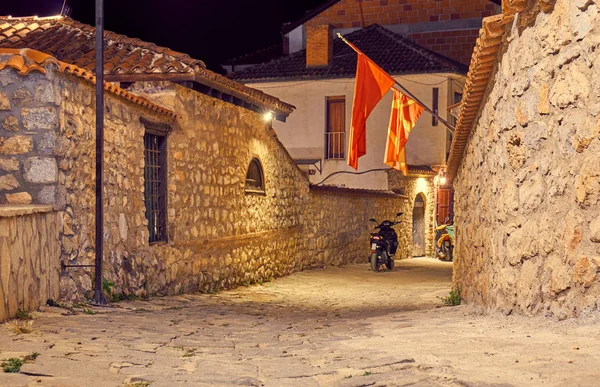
352	327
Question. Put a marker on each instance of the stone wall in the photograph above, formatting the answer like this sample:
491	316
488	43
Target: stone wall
29	258
28	127
527	211
337	228
222	237
411	186
128	261
219	235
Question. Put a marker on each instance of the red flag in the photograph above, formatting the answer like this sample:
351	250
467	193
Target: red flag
405	114
371	85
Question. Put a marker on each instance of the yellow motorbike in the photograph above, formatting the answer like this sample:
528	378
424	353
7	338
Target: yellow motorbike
444	236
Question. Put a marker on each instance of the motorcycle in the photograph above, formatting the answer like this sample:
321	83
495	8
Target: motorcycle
444	236
384	244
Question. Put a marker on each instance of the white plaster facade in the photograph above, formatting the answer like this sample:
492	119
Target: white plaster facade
304	132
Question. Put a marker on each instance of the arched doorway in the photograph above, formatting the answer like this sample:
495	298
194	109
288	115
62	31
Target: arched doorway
419	226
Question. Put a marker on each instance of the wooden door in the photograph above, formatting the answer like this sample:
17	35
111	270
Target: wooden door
445	202
419	227
335	131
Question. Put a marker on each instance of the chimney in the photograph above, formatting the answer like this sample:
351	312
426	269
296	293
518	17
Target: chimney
319	45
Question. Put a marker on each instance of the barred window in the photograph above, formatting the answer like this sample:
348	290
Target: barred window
155	185
335	128
254	178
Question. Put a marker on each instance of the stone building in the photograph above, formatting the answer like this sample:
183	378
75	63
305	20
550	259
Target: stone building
424	45
320	80
525	162
199	192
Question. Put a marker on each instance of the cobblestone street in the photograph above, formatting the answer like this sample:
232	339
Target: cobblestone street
337	326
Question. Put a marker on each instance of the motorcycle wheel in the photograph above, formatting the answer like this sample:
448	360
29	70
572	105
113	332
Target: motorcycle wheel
442	255
450	255
389	263
374	263
446	254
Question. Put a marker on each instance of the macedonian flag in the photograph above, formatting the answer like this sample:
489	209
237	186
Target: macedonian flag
372	83
405	114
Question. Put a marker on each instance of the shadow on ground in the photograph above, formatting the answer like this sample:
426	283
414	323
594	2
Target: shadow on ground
331	327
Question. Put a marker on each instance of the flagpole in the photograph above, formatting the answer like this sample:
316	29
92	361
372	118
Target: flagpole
448	126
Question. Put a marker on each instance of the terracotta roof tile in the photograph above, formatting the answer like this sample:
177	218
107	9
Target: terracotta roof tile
73	42
421	170
8	32
393	52
26	61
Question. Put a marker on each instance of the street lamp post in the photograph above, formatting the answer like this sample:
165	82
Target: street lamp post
99	298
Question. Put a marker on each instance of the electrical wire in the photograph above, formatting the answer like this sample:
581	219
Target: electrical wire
352	173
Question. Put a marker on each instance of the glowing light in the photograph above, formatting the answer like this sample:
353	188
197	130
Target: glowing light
422	185
268	116
440	179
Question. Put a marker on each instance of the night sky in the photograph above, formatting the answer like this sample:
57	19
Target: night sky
210	30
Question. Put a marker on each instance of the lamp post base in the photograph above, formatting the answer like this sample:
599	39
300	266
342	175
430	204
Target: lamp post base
99	299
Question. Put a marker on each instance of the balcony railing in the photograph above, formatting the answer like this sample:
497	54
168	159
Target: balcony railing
335	145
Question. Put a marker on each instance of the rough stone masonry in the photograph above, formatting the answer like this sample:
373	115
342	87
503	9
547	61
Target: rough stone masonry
219	235
527	211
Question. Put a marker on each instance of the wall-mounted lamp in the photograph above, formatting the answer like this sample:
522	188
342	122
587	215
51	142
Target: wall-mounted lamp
440	179
268	116
443	177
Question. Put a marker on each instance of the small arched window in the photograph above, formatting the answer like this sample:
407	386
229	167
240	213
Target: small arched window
255	182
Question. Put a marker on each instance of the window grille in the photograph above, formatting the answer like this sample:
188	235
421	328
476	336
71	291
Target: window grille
254	178
155	173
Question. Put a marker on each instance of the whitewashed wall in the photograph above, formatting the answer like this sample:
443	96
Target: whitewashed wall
303	133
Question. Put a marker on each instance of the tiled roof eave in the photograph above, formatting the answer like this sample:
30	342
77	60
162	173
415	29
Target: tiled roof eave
379	43
126	59
245	93
481	70
141	77
213	81
349	76
25	61
356	191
